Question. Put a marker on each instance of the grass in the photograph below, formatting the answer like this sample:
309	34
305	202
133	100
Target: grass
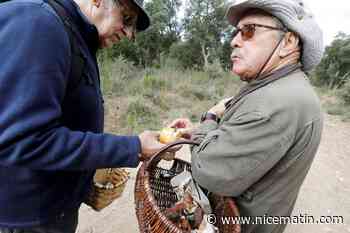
139	99
333	102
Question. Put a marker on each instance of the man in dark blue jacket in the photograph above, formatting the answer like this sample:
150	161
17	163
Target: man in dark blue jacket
51	138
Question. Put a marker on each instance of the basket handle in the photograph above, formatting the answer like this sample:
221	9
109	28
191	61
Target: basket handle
157	156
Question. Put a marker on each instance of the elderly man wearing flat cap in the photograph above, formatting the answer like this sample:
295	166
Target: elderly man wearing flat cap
51	108
259	145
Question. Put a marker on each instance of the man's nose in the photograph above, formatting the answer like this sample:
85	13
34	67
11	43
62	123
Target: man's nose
236	41
130	33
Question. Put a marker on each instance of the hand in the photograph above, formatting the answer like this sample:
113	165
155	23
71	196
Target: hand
150	145
220	108
184	126
181	123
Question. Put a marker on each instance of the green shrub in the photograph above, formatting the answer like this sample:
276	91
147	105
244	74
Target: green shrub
105	64
160	99
345	93
186	53
339	109
199	77
169	63
116	74
335	109
346	116
148	86
140	116
150	97
215	69
154	83
194	92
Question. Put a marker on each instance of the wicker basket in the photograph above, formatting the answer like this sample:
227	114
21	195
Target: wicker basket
108	185
154	194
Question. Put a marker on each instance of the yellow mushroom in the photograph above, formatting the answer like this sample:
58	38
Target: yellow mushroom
169	135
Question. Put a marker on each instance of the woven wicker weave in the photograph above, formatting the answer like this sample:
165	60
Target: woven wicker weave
108	185
154	194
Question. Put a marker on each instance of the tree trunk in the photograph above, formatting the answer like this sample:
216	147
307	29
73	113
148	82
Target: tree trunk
205	55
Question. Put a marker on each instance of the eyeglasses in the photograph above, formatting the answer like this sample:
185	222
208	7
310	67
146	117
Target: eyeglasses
248	30
129	21
129	13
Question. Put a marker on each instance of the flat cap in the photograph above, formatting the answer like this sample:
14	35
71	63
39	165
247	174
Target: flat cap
143	20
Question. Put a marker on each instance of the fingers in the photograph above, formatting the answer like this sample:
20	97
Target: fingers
175	124
184	127
149	144
180	123
227	100
185	133
223	101
220	108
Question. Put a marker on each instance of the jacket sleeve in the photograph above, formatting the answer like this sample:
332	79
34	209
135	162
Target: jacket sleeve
236	154
35	62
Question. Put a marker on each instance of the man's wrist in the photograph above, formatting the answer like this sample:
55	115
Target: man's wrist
210	116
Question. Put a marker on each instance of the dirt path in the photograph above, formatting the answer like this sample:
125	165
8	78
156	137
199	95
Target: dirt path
326	191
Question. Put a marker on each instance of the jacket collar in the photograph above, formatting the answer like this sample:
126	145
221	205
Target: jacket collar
263	81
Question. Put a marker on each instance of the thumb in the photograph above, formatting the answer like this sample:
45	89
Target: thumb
227	99
185	133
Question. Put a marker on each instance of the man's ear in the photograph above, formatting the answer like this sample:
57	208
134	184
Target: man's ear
96	3
290	44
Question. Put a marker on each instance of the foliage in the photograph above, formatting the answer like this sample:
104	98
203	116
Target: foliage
333	102
129	50
334	69
168	62
140	116
345	92
204	27
116	74
338	108
163	32
225	52
148	98
214	69
186	52
153	83
196	41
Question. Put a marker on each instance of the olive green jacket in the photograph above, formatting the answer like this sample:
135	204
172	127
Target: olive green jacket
262	149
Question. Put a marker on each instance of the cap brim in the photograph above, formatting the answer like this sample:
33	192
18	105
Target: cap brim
236	11
143	20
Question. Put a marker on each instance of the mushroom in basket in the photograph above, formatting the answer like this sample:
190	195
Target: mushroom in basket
186	214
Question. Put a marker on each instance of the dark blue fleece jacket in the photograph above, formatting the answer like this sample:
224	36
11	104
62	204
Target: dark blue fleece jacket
50	140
